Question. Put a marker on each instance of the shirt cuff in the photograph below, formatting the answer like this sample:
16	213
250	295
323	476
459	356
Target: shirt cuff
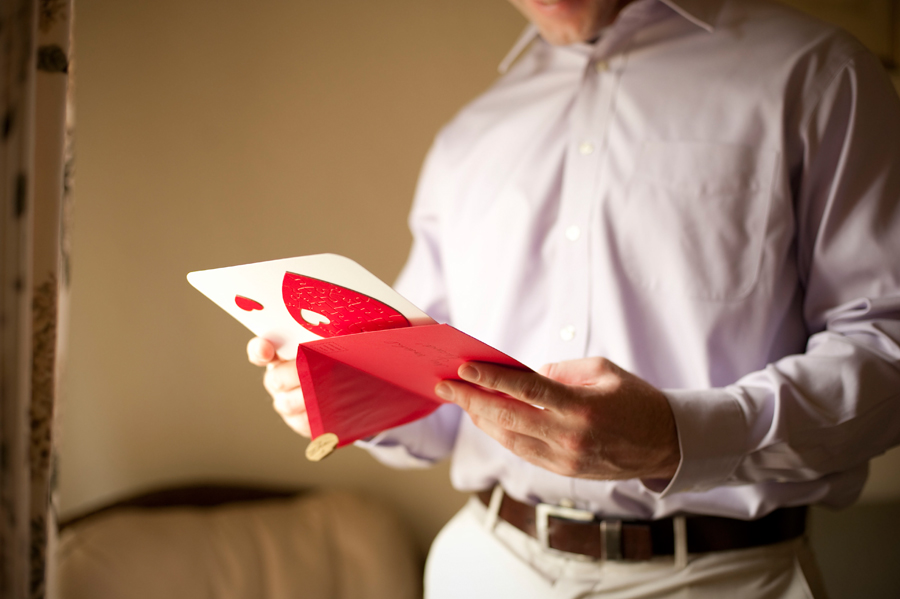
391	453
712	432
417	444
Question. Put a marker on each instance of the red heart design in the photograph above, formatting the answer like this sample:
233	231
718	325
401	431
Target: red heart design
345	311
245	303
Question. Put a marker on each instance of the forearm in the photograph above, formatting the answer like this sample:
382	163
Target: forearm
804	417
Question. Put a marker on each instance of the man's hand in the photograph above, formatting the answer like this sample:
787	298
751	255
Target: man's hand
282	383
598	421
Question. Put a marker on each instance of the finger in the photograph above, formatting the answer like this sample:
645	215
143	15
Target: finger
299	424
280	376
289	403
260	351
523	385
536	451
504	412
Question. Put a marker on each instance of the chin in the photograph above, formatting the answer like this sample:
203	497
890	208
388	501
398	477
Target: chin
566	21
561	36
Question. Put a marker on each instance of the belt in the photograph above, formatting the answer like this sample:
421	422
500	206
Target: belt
578	531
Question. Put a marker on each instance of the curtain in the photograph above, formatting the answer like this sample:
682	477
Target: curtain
35	174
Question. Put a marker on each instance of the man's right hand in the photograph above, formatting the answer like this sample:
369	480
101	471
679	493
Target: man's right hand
282	383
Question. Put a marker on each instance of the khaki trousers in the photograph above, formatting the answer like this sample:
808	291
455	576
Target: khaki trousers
467	560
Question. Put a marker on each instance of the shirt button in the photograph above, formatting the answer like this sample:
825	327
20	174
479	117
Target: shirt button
573	233
602	66
586	148
567	333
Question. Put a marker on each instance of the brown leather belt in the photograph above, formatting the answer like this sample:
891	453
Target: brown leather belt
644	539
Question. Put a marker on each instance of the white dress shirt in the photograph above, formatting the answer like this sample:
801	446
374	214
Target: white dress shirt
709	196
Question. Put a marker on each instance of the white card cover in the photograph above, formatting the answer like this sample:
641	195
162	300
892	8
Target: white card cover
254	294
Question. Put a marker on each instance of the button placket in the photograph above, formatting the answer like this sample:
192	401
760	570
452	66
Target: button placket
581	191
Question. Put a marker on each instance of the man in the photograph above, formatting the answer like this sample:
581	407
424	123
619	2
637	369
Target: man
688	211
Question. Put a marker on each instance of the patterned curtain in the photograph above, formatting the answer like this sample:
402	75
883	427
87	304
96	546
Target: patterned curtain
35	173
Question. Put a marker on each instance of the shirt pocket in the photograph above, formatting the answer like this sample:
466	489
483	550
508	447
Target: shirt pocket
694	218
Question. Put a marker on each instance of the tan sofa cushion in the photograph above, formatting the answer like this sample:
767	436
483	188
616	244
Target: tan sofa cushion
323	545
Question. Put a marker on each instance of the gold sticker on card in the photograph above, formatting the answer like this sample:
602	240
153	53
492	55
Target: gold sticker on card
321	447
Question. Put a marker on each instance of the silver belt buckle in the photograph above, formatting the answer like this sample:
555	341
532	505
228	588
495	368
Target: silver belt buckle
542	513
610	530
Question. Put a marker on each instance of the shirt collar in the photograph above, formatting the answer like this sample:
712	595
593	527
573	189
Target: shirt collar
529	35
703	13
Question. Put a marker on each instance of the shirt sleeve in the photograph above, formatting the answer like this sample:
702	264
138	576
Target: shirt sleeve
430	439
837	405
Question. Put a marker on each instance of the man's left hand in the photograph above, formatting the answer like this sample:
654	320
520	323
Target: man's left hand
598	421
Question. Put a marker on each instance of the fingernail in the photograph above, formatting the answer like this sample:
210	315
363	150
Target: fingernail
468	373
444	391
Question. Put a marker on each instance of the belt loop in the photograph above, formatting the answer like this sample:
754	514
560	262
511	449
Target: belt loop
493	508
679	525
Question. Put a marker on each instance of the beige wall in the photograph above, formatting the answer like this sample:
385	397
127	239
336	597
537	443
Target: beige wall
213	133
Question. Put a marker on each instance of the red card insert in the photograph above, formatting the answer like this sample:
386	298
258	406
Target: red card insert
358	385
